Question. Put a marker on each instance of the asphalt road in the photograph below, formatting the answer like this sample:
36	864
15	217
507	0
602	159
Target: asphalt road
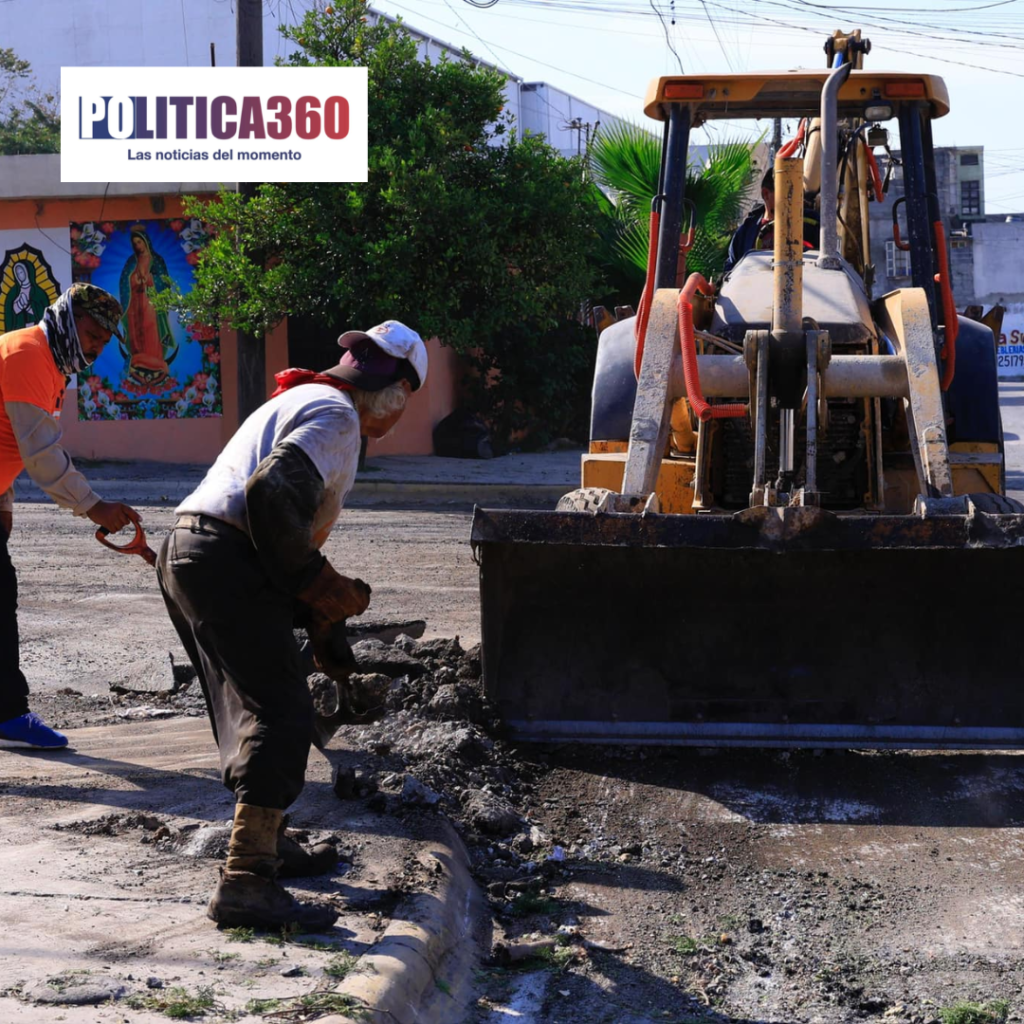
87	614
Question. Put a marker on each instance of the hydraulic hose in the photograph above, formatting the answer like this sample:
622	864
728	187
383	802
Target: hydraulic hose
949	317
789	148
701	408
876	177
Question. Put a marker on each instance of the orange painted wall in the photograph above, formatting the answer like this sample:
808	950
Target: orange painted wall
200	441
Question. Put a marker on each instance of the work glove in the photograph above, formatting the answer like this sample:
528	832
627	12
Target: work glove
329	600
332	597
331	651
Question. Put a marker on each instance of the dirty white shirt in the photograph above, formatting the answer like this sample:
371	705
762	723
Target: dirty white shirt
38	436
317	418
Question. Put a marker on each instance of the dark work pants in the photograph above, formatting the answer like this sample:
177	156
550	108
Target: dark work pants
237	629
13	685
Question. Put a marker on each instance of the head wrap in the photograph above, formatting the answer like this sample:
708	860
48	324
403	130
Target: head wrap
59	322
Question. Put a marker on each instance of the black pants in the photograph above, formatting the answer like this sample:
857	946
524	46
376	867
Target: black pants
237	629
13	685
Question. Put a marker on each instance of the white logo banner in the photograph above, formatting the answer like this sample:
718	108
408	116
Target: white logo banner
213	124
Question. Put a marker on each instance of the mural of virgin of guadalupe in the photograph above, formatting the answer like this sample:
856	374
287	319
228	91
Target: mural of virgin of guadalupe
148	342
26	302
25	289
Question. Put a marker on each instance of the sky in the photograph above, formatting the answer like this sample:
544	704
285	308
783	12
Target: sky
607	51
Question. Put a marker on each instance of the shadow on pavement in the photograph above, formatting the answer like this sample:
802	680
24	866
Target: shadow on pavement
919	788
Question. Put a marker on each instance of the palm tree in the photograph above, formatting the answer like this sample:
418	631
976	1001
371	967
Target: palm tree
624	163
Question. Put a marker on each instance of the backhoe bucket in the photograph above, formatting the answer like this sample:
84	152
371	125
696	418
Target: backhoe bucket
771	627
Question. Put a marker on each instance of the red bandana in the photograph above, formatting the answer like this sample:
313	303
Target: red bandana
293	377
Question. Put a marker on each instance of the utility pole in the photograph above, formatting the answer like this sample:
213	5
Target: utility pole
776	138
252	348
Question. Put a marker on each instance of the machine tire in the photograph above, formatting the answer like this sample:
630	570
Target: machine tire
584	499
996	504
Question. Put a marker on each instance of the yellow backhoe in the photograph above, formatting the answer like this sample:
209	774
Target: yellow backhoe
792	527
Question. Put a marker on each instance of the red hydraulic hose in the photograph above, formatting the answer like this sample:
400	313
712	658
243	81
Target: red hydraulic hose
702	409
791	147
948	307
876	177
643	314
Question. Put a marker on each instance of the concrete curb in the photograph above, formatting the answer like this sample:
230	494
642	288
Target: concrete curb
420	972
383	491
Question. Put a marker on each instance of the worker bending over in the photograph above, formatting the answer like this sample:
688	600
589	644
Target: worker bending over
243	564
35	363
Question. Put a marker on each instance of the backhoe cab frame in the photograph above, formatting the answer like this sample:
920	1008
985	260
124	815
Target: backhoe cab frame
789	366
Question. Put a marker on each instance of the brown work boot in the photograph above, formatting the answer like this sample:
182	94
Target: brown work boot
253	900
247	894
298	862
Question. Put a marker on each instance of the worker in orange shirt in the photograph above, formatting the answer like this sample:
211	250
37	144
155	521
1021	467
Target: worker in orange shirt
35	363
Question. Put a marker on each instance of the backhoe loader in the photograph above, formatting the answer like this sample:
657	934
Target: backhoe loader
792	528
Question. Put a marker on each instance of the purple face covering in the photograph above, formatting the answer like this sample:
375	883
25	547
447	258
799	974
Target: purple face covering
366	366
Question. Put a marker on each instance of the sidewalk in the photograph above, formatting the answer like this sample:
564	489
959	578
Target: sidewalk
535	479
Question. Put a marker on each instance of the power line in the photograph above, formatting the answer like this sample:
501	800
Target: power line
516	53
184	31
668	38
717	36
471	29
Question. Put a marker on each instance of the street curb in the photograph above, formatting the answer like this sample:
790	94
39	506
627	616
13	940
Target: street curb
542	495
420	971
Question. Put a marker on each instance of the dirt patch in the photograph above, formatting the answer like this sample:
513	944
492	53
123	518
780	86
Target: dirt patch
652	884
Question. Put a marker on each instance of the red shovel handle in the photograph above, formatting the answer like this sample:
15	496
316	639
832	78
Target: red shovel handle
136	546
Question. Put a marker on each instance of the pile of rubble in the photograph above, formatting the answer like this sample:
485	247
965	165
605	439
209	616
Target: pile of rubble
437	744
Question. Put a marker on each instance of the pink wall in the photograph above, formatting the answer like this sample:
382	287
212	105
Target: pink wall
427	407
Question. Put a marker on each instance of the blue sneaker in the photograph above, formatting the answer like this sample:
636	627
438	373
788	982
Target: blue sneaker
30	731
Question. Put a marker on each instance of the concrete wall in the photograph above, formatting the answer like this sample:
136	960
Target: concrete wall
998	262
43	223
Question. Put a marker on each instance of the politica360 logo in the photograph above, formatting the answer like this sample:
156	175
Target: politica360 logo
213	124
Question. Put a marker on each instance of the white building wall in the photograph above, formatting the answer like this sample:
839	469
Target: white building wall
998	262
547	111
131	33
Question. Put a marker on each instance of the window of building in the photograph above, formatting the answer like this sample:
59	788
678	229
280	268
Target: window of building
897	261
970	198
969	160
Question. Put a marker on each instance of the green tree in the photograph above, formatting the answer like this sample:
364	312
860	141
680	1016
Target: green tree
464	229
29	122
625	161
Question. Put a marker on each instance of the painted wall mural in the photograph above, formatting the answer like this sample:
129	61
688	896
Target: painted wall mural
161	370
27	286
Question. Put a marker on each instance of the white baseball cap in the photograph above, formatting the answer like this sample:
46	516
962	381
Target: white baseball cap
397	341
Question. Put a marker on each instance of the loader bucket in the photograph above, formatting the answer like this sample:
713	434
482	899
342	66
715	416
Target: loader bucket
771	627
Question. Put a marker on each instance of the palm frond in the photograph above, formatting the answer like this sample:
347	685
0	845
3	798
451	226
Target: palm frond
625	161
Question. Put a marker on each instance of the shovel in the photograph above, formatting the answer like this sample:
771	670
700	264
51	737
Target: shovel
136	546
